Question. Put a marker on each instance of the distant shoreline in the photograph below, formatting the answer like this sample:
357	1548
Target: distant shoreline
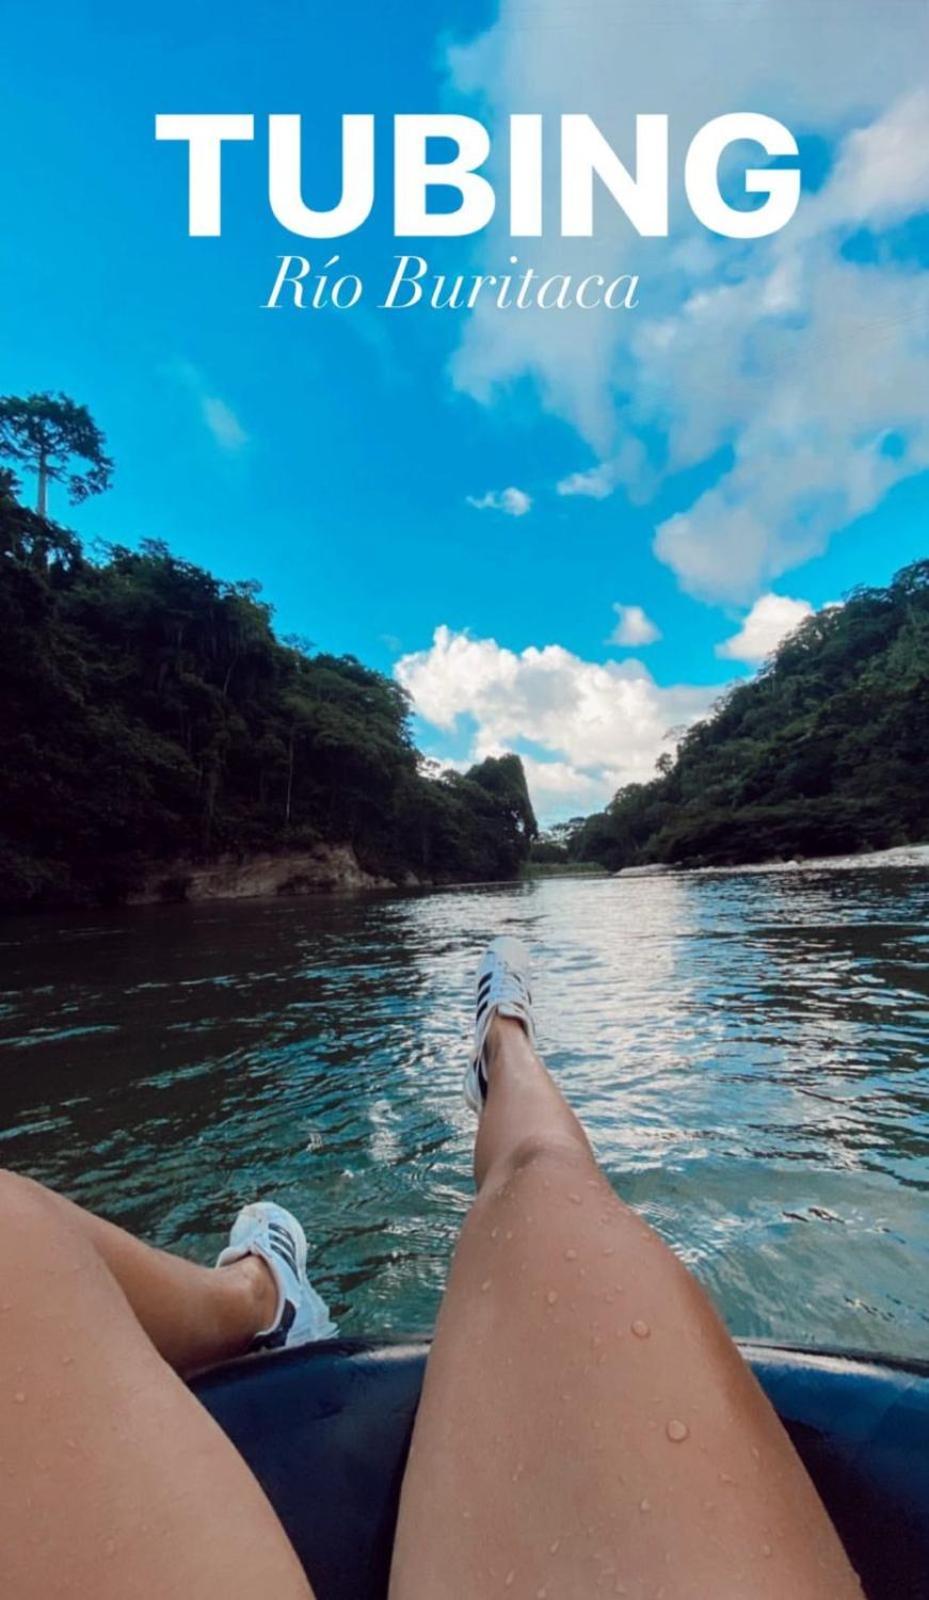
900	856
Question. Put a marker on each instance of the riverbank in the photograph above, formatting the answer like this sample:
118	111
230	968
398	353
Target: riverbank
335	869
564	869
906	856
325	869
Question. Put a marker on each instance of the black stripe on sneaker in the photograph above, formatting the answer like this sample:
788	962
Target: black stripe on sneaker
485	982
277	1338
283	1245
481	1009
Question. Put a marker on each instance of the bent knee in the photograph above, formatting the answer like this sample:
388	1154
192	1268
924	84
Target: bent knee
26	1205
540	1155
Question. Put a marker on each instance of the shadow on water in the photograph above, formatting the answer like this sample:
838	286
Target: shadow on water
748	1052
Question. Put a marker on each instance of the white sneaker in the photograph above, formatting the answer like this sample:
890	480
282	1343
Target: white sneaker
502	991
267	1230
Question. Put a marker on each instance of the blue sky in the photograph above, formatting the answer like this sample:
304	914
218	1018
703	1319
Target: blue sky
333	456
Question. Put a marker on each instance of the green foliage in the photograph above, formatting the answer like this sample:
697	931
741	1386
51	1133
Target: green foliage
546	853
45	432
556	845
825	751
149	715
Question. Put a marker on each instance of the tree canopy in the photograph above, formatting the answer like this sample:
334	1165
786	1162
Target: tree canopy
45	432
150	715
825	751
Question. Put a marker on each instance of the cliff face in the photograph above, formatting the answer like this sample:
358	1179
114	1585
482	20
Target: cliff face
326	869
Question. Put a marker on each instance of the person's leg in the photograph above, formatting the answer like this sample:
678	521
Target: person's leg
587	1426
116	1483
194	1316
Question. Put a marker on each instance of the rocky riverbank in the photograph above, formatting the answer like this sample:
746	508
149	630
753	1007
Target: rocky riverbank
325	869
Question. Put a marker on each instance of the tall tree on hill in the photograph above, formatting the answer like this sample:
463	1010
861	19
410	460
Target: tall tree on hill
46	433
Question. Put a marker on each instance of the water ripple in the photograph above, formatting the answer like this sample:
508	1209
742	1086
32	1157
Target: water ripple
748	1052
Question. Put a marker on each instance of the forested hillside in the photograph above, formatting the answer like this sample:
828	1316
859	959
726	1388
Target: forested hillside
148	714
825	751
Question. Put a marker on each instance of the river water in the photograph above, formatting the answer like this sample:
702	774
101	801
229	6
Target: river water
749	1052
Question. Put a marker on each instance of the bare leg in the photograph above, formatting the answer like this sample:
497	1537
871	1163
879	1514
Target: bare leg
193	1315
114	1482
587	1425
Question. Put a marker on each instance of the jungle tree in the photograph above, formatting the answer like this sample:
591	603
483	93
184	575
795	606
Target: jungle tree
46	433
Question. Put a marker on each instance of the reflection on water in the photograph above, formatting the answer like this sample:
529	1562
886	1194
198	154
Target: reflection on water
749	1054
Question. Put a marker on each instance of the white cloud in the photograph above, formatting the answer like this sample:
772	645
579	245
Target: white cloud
601	724
597	483
633	627
881	175
770	620
512	502
223	423
793	358
216	413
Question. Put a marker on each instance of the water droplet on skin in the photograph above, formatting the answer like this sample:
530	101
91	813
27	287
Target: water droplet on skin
494	1232
541	1594
641	1329
677	1431
570	1255
67	1361
554	1547
756	1453
509	1235
766	1549
575	1199
645	1505
552	1296
509	1580
610	1250
19	1398
110	1547
485	1286
725	1478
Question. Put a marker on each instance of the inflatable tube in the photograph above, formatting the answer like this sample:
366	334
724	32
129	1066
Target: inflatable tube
326	1431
